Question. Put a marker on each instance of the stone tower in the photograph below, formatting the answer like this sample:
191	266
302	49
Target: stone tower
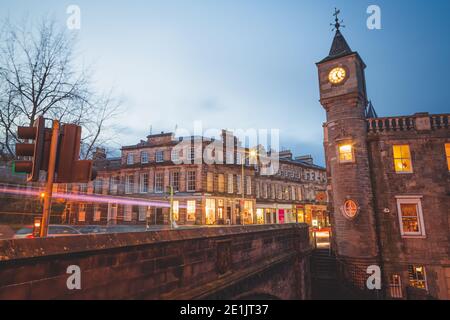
343	95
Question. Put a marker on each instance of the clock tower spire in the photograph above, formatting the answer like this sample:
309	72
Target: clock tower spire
343	95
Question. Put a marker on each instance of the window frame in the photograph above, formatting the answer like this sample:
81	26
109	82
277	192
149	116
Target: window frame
410	159
129	184
175	180
144	182
230	183
159	156
395	286
142	215
144	157
175	155
159	179
352	152
128	213
191	179
82	209
209	182
221	183
191	215
130	158
417	200
425	278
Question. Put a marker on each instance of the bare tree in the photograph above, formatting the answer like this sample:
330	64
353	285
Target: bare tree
38	76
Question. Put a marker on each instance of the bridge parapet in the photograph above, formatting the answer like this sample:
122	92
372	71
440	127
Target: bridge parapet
200	263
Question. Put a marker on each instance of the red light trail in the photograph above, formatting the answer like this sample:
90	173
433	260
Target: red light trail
88	198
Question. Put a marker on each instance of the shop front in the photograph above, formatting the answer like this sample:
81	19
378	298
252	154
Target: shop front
266	212
286	214
318	216
223	211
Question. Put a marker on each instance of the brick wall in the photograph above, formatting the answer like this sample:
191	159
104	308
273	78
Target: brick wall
183	264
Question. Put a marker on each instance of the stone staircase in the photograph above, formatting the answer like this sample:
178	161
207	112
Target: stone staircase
324	275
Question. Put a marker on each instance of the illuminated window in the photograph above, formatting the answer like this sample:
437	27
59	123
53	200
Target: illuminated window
396	287
248	212
210	209
221	183
410	217
447	152
260	216
190	210
402	159
417	277
176	210
82	213
345	153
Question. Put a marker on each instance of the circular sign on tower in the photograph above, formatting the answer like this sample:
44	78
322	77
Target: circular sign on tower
350	209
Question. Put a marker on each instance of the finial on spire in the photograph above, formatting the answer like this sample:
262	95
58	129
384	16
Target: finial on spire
337	24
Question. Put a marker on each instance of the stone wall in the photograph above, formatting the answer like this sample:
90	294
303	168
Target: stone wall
201	263
430	181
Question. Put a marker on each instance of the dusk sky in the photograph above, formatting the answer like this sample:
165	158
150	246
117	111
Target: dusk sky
251	63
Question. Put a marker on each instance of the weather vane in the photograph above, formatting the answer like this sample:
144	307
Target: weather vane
337	24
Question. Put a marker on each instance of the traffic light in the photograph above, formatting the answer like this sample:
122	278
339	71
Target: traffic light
35	151
68	167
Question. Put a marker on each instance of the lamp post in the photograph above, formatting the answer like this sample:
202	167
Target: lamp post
245	154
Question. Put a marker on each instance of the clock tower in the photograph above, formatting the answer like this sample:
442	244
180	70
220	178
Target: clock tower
343	95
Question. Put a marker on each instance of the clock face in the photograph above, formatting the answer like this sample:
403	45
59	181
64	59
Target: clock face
337	75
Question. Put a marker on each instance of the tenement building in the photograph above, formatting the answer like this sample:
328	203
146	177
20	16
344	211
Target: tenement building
164	178
389	185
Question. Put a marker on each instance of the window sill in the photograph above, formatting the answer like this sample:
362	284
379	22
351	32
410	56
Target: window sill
405	236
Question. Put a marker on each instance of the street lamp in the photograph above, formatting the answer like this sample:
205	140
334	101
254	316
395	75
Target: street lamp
252	154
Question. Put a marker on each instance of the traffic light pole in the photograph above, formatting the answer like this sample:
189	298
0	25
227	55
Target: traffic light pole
50	179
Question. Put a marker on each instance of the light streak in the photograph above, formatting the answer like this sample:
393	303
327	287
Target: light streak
89	198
